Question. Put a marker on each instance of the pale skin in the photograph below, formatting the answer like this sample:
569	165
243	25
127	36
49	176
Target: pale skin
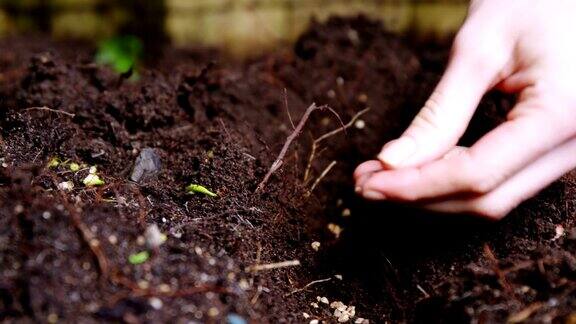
516	46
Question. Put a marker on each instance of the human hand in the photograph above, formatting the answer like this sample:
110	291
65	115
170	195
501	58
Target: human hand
528	48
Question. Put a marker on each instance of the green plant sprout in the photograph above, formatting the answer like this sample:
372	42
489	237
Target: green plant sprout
196	188
92	179
74	166
122	53
54	162
139	258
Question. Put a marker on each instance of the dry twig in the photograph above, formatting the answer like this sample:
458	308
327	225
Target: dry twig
280	159
270	266
496	268
322	175
525	313
89	239
288	108
326	136
307	286
44	108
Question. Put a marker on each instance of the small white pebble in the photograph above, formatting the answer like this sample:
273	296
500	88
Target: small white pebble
92	170
52	318
340	81
143	284
315	245
360	124
18	209
165	288
213	312
331	94
113	239
351	311
140	240
346	212
315	305
154	238
338	276
353	36
559	232
314	321
324	300
243	284
4	165
305	315
198	250
66	185
361	320
335	229
525	289
46	215
156	303
343	318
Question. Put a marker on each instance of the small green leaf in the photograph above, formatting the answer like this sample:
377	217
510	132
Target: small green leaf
196	188
139	258
54	162
74	166
92	180
122	53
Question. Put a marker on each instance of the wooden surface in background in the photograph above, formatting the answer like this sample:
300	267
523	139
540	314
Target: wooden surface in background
242	27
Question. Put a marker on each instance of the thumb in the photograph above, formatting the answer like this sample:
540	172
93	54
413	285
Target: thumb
445	116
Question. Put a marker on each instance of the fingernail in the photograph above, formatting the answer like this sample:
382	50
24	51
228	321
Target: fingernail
373	195
398	151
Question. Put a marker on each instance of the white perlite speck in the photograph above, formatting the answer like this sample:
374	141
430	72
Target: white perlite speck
66	185
156	303
315	245
154	238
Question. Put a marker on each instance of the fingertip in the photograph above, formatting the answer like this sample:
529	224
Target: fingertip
373	195
367	167
397	152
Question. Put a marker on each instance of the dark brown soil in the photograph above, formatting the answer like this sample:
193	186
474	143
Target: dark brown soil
64	255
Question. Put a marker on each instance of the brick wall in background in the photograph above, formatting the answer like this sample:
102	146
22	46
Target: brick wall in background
240	26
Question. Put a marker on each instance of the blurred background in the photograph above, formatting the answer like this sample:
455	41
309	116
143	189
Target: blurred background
240	27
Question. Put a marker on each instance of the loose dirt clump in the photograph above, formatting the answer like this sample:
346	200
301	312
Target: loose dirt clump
151	251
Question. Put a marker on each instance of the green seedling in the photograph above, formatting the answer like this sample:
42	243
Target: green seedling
74	166
196	188
120	52
54	162
93	179
139	258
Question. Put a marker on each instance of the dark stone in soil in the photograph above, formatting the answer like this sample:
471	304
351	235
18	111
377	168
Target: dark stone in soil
147	166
